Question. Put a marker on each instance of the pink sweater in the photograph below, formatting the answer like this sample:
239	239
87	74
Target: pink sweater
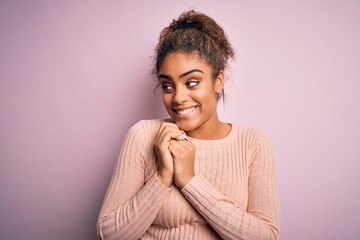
232	196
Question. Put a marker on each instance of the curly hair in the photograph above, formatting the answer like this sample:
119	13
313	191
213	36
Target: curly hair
195	32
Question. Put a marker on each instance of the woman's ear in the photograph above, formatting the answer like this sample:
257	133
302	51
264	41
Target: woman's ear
219	82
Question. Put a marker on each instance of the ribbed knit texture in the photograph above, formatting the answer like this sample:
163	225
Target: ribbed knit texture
232	196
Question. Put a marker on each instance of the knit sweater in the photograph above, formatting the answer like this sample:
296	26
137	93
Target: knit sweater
233	194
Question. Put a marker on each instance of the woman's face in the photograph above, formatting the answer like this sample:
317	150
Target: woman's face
189	92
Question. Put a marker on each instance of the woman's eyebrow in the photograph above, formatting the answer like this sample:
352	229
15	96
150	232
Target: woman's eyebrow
181	75
189	72
165	76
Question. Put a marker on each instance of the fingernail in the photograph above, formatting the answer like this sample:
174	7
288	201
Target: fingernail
184	137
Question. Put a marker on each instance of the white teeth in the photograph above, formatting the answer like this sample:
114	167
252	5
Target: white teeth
185	111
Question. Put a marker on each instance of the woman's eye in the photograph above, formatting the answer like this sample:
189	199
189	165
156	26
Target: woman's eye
192	83
166	87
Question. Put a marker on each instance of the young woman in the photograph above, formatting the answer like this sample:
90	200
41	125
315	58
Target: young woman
192	176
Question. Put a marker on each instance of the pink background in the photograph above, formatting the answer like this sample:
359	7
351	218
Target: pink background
75	76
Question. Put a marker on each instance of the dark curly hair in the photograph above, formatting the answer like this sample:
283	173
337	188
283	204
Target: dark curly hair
195	32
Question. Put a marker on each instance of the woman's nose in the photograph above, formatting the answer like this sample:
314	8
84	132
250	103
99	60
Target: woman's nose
180	96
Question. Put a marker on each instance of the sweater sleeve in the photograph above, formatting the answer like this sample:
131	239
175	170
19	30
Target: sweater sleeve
131	205
260	220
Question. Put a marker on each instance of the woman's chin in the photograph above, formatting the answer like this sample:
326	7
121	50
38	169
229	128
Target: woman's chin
185	126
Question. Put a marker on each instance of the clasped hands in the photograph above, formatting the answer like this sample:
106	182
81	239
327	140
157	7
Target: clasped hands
175	155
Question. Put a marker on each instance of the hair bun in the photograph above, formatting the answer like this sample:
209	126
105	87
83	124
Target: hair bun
186	25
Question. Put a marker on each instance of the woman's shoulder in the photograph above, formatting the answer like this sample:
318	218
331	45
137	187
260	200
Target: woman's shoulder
143	133
249	134
250	139
148	124
148	127
247	130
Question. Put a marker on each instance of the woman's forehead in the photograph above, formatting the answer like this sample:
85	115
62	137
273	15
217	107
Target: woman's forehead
183	62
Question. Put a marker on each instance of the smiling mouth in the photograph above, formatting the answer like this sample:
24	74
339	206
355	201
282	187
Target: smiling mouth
185	111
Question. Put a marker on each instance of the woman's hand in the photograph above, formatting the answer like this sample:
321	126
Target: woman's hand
183	153
167	132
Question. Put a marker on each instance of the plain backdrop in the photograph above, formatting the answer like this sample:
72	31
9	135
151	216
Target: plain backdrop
75	75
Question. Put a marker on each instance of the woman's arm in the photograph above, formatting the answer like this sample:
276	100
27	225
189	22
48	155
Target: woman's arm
260	220
130	206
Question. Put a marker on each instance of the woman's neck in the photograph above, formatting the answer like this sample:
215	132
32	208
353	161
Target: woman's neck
214	131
